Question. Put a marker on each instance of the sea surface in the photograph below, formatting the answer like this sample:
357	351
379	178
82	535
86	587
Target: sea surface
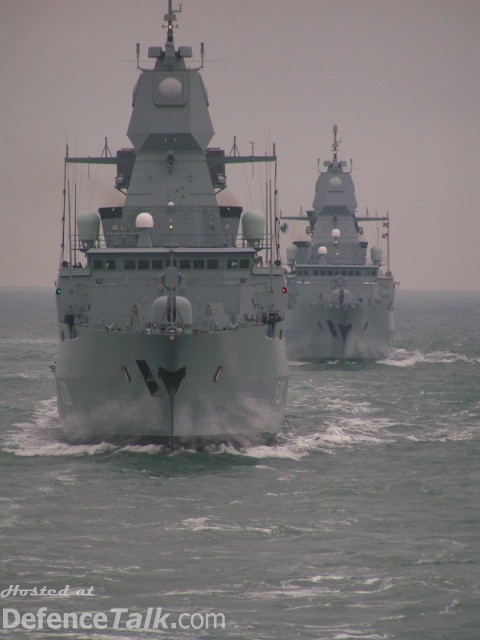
362	522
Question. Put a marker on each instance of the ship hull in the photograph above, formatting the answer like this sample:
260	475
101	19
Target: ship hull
226	386
319	332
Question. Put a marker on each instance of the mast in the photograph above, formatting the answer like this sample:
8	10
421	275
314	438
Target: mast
170	18
336	144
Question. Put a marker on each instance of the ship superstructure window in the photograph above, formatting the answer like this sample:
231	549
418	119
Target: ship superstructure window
212	263
199	264
244	263
144	264
185	264
157	264
98	264
129	264
110	265
232	264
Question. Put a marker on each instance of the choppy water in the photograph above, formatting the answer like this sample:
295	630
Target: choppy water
363	522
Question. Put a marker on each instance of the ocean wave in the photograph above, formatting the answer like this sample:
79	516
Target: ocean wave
206	524
405	358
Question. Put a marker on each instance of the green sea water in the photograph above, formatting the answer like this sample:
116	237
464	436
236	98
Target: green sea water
362	522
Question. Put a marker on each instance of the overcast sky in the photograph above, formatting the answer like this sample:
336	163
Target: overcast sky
401	78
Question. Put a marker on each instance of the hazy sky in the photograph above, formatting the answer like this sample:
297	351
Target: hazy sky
401	78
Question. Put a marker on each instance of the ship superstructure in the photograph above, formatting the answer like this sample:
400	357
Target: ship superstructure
340	304
172	329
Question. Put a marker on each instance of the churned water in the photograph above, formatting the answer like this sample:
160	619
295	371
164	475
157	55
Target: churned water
363	522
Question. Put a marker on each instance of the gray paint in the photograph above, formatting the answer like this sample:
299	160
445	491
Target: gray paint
170	331
339	304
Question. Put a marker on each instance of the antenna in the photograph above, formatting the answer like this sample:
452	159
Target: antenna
138	55
170	18
202	56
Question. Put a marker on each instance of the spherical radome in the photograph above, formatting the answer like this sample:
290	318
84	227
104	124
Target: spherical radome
170	89
144	221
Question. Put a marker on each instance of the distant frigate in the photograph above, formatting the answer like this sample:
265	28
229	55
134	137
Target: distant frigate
172	328
340	305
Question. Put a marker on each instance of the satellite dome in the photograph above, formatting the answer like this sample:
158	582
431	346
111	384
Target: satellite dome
253	225
336	233
170	88
335	183
144	221
88	225
292	253
322	251
376	255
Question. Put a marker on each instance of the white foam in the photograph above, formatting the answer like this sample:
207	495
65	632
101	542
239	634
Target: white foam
205	524
149	449
63	449
405	358
39	437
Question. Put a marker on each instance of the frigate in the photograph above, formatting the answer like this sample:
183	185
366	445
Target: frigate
171	307
340	304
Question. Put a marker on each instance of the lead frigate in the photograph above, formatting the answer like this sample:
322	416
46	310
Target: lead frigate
171	319
340	304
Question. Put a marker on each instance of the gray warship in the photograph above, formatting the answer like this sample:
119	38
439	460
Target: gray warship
340	304
171	308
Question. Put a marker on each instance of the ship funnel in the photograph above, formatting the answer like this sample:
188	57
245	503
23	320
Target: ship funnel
88	225
253	226
144	222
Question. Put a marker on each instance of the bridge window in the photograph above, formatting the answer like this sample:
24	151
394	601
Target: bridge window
244	263
157	264
144	264
98	264
185	264
199	264
110	265
212	263
129	264
232	264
